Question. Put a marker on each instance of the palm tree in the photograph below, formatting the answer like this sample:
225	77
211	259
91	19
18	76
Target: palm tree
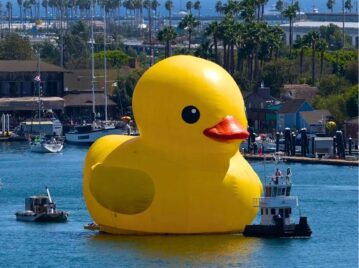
311	39
330	5
300	44
291	12
20	3
348	5
213	30
9	13
197	6
169	7
219	7
167	35
322	46
279	6
188	23
189	6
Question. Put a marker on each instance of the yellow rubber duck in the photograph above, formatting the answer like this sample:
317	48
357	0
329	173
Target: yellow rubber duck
184	173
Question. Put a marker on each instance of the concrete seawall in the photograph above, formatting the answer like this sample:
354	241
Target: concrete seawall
306	160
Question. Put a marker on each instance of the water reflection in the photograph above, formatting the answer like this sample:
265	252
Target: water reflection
195	249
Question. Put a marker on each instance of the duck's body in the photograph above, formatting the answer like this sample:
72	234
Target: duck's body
194	182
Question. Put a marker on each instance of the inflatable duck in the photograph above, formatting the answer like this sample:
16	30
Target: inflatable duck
183	174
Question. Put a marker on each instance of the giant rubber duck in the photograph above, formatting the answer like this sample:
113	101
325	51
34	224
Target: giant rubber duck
183	174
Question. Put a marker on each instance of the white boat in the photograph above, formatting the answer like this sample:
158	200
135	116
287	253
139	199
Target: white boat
41	208
89	133
276	207
42	145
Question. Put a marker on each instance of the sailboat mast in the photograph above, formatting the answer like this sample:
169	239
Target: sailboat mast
105	58
93	62
38	81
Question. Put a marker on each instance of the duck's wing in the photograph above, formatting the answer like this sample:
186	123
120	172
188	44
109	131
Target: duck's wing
122	190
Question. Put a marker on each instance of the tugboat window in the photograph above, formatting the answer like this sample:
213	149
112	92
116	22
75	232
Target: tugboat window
261	211
266	211
281	212
283	191
287	212
272	211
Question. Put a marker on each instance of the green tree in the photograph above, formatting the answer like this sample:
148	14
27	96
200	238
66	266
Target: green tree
214	31
169	7
291	13
330	5
189	6
332	35
189	23
167	35
300	44
332	84
114	58
348	5
15	47
311	39
197	6
321	47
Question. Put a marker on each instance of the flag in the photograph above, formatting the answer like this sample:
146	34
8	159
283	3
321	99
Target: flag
37	78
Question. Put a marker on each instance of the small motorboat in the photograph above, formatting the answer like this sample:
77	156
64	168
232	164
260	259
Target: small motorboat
40	144
41	208
276	207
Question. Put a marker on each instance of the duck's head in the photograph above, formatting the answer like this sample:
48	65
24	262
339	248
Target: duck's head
189	105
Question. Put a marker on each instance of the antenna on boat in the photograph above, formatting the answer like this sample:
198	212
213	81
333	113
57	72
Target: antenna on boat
48	194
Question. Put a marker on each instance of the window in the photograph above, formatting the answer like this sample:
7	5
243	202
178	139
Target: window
266	211
261	211
281	212
287	212
272	211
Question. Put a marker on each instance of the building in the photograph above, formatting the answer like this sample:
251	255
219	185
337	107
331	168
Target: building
78	94
261	109
299	91
17	79
289	114
301	28
18	92
351	128
315	121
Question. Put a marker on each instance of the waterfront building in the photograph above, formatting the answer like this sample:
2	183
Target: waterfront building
315	121
261	109
18	94
301	28
299	91
289	114
78	94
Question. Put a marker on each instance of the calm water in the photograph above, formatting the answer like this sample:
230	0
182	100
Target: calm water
328	195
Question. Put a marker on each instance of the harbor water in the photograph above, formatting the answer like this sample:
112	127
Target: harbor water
328	195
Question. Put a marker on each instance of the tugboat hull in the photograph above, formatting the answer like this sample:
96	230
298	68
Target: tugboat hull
279	230
44	217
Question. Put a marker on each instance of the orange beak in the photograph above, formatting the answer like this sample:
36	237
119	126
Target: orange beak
226	130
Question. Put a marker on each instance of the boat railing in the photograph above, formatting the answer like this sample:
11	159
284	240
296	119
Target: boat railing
279	201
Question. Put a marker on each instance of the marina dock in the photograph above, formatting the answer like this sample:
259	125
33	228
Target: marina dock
306	160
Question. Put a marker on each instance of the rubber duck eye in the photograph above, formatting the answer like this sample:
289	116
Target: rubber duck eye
190	114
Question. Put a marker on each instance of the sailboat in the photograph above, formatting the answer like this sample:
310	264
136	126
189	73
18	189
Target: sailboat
40	143
89	133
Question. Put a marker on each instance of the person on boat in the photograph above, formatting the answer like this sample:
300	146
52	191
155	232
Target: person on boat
289	174
277	175
128	128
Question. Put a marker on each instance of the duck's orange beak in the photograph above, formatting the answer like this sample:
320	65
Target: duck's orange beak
226	130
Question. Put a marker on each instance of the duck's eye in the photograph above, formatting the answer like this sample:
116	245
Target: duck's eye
190	114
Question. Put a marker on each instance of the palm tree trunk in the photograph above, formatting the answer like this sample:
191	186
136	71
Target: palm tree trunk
232	59
301	61
189	41
215	50
321	63
290	36
313	63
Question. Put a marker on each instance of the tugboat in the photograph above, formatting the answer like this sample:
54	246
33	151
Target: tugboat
276	209
41	208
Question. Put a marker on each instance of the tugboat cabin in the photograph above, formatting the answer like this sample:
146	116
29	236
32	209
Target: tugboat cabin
39	204
277	202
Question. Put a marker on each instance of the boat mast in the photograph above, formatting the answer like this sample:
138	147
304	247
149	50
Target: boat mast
93	63
38	81
105	59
